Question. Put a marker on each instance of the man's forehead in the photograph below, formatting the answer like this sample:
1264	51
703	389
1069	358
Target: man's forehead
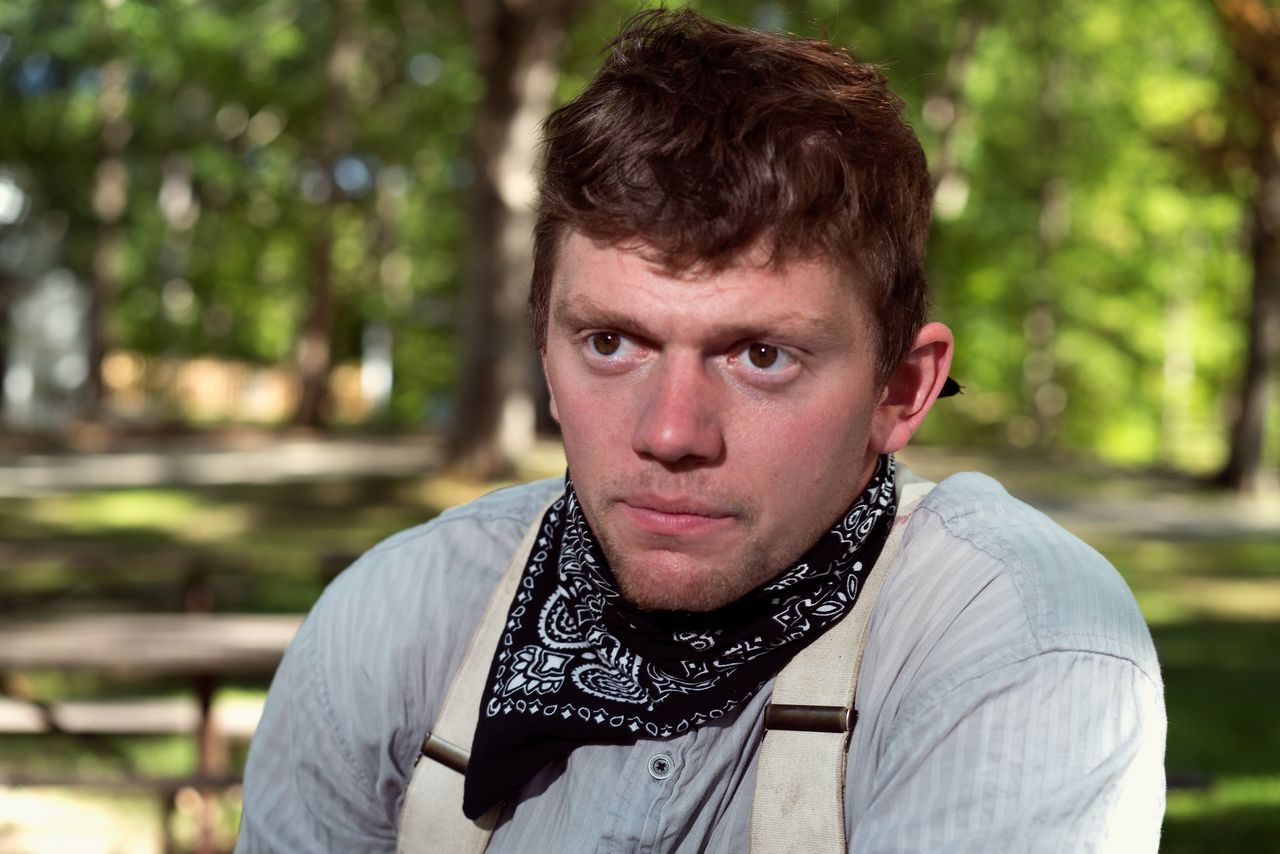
602	266
761	253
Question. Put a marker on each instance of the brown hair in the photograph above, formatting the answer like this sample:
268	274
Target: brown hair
700	141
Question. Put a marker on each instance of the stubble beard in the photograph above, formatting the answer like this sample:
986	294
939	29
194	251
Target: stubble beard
683	582
672	581
654	580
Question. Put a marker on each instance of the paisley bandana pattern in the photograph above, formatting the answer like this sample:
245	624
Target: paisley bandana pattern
578	664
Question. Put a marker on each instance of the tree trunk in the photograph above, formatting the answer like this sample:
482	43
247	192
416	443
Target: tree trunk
314	347
110	200
7	286
1253	31
314	353
945	113
1245	468
1046	396
517	48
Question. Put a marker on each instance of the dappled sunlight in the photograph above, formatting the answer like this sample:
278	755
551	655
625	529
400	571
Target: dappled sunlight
107	511
1221	682
217	524
1185	599
444	491
56	821
543	459
1232	814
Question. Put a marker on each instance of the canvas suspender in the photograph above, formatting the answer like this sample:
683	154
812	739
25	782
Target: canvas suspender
800	777
431	817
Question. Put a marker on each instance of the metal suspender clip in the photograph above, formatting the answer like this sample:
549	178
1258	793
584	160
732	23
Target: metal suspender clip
810	718
446	753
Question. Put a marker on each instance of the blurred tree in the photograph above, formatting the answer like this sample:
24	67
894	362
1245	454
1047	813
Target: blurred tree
517	50
1088	268
283	183
57	141
230	139
341	74
110	201
1253	31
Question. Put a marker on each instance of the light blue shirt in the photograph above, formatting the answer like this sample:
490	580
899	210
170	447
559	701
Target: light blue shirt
1009	700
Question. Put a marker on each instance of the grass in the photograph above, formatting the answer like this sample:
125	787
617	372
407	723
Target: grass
1212	599
260	548
267	548
1237	814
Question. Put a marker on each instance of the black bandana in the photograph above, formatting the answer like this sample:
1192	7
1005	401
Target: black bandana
579	664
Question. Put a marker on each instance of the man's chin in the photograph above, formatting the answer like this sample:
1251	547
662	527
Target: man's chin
685	573
676	588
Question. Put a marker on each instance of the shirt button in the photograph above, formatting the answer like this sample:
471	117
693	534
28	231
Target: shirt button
660	766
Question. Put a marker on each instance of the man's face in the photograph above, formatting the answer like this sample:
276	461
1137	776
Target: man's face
714	425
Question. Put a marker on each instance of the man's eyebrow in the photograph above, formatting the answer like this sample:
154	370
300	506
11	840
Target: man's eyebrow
813	332
580	311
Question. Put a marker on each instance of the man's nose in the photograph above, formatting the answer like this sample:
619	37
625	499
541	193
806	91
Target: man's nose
680	420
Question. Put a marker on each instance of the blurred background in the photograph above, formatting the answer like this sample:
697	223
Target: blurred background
262	279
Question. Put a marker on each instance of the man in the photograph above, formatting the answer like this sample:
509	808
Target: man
729	303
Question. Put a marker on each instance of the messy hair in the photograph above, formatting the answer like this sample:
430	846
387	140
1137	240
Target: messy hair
700	142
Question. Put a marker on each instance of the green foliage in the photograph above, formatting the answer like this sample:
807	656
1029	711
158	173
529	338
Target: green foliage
1087	251
1138	266
230	99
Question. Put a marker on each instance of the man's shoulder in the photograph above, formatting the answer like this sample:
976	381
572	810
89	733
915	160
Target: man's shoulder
458	556
1006	564
490	516
425	586
366	673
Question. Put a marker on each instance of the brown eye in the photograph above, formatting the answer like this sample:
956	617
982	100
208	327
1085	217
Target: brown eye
606	343
762	356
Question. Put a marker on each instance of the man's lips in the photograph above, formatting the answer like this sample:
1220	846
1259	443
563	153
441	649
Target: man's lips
673	517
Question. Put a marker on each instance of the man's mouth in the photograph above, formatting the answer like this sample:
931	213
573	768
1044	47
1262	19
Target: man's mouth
673	517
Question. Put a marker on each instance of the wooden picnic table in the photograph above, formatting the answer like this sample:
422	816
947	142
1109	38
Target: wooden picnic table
148	644
205	647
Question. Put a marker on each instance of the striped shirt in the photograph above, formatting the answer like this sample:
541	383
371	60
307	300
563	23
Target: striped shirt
1009	699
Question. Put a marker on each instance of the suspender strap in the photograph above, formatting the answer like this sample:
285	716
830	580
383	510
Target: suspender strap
431	817
800	778
799	796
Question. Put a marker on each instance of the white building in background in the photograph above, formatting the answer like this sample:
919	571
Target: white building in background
45	335
46	358
45	316
48	353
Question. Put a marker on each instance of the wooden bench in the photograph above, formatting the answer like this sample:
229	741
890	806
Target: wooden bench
204	648
148	644
234	719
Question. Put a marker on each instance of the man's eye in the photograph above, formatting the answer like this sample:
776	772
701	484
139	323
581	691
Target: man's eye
766	357
605	343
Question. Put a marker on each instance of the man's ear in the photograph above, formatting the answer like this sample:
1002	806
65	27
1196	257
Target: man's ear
551	392
911	391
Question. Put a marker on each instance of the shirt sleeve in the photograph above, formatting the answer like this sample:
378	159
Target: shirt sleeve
364	678
1060	751
303	789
